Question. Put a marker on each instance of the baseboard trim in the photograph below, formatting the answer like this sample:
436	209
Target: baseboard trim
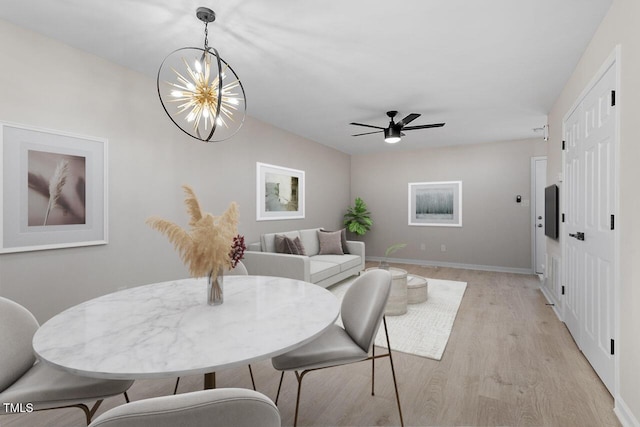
497	269
624	414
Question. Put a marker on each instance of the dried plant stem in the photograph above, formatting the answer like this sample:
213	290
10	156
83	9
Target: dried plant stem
215	290
56	183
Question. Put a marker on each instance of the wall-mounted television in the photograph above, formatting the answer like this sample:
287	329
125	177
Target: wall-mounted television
551	205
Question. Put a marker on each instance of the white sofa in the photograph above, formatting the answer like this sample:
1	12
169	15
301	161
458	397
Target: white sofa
262	259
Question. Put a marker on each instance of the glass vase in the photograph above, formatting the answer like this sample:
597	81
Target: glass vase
215	288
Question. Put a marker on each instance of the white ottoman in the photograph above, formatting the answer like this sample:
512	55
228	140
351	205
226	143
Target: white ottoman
417	289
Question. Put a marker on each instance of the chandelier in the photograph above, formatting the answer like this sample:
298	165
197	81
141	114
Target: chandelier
199	90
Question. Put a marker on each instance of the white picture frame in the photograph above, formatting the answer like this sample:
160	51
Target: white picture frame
435	204
280	192
34	161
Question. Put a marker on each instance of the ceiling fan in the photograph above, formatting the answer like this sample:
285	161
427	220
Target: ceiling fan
393	132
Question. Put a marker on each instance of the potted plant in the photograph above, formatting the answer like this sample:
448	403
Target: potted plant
384	264
357	219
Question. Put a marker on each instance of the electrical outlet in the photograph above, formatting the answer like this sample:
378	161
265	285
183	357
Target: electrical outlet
423	247
443	248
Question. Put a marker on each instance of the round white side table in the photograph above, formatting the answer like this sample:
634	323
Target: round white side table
397	304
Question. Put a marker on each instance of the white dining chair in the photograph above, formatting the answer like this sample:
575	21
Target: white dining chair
24	381
208	408
238	270
362	312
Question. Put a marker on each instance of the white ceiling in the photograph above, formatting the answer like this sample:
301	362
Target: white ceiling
490	69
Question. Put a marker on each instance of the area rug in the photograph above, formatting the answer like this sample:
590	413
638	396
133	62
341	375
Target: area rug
424	330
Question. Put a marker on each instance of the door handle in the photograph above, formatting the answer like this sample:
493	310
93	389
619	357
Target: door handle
539	225
579	235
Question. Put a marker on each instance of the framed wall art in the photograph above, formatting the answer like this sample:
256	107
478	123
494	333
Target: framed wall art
54	189
435	203
279	192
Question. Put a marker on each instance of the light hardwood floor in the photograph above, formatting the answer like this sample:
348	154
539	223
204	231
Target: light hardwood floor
509	362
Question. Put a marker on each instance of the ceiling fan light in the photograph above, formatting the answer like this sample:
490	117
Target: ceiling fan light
391	135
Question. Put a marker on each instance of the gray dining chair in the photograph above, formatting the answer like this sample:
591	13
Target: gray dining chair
239	270
24	381
362	311
211	408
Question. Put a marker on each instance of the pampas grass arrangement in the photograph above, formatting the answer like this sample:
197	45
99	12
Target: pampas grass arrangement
205	247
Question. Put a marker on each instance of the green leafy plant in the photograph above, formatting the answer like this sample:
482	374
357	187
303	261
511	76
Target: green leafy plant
391	249
358	218
384	264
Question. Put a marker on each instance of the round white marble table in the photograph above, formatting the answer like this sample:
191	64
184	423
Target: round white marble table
167	329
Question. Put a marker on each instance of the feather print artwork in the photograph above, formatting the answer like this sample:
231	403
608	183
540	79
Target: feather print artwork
56	183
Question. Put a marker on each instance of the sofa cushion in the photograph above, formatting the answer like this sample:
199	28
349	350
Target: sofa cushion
309	239
320	270
268	240
285	245
345	248
330	243
345	262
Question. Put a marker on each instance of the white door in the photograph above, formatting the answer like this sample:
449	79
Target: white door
590	186
539	178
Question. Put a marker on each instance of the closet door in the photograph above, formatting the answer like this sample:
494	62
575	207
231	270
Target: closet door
590	135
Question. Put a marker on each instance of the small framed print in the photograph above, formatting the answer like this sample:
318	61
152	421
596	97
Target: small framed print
279	192
435	203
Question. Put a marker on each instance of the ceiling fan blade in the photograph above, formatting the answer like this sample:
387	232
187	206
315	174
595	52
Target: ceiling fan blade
435	125
411	117
368	126
366	133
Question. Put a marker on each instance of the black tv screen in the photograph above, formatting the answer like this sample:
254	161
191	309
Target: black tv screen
551	211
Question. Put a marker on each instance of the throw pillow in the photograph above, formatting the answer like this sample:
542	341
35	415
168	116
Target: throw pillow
299	246
285	245
343	238
330	243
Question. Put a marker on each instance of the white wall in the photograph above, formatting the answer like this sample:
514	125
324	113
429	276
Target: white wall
495	232
620	26
49	85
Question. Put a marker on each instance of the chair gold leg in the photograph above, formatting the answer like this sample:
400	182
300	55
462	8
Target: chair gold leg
88	413
299	377
373	369
85	409
393	371
93	410
252	380
279	386
175	389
